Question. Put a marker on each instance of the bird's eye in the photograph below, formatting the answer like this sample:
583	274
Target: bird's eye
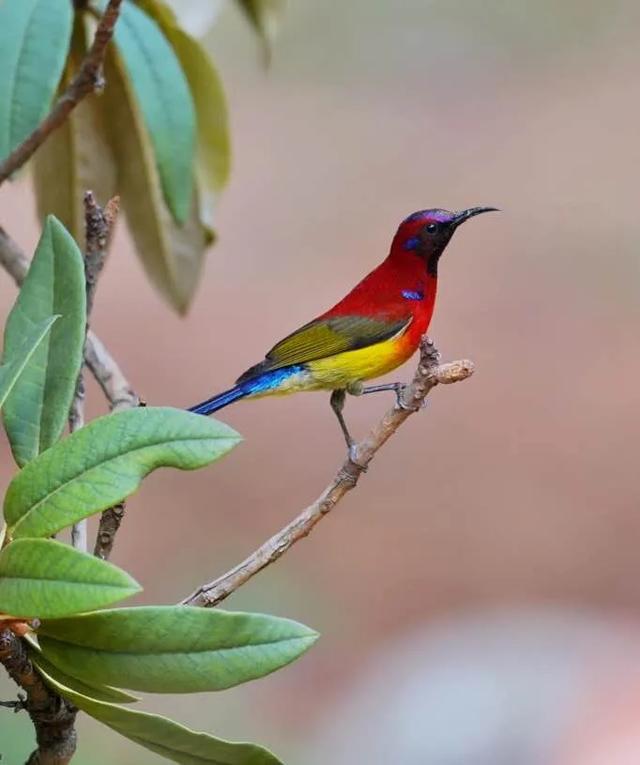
432	228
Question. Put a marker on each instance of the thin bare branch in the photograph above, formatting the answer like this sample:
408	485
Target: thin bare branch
429	374
87	80
108	374
110	521
12	258
52	716
99	225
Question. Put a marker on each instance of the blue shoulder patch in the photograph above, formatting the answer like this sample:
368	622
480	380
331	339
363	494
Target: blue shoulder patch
413	294
411	243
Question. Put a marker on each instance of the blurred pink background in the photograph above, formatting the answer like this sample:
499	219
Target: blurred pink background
511	503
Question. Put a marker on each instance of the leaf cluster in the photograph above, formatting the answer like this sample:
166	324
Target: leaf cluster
157	133
90	656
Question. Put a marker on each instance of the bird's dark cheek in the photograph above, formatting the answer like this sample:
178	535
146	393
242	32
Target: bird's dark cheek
432	263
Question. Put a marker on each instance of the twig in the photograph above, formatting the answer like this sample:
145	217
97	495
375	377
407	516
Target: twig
12	258
53	717
108	374
99	225
110	521
429	374
87	80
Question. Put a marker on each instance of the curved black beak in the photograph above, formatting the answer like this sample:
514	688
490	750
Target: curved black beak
463	215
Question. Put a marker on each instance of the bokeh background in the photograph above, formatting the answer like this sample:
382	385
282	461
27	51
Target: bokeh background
478	595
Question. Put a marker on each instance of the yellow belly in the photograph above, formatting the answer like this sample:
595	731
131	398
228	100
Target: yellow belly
343	369
364	364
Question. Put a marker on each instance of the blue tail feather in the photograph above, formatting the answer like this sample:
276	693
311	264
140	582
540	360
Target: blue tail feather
218	402
259	384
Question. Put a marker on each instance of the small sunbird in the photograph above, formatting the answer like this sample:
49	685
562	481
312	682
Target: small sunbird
371	331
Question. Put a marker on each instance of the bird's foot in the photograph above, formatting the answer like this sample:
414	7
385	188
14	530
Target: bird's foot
402	404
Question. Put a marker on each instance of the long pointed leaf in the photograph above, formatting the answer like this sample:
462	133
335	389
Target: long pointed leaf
95	692
103	463
46	579
36	411
165	101
213	158
77	156
165	737
172	255
173	649
13	367
34	39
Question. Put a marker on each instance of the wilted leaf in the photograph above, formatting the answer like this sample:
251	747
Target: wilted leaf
35	412
96	692
77	156
264	16
172	255
173	649
47	579
13	367
99	465
34	40
165	101
168	738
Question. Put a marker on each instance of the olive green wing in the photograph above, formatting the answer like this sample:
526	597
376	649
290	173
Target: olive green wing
326	337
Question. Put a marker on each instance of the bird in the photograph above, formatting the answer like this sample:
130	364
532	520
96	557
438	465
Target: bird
373	330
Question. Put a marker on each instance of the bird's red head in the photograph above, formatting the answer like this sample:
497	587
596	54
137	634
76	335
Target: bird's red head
426	233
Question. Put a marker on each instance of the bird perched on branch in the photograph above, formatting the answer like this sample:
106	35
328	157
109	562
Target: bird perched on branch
374	329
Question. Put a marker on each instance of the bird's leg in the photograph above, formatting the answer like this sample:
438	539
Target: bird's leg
337	404
358	389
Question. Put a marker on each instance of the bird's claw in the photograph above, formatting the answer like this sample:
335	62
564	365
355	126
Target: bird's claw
402	404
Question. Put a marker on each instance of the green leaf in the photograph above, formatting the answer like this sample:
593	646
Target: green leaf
172	255
77	156
96	692
163	93
36	411
213	159
103	463
172	649
165	737
264	16
34	39
47	579
13	367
